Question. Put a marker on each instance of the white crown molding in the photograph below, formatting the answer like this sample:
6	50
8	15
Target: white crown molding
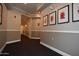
20	10
54	49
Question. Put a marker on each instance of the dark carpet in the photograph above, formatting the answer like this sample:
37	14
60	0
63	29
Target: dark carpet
27	47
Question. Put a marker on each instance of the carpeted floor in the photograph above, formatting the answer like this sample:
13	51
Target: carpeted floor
28	47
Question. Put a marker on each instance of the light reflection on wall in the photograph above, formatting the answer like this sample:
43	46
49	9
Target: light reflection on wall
21	29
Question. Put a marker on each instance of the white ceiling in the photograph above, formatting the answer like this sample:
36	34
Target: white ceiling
28	8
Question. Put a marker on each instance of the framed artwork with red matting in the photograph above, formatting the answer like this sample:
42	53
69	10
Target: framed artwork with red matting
52	18
63	15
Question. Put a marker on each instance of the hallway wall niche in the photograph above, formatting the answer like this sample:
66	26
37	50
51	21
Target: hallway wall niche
25	23
31	26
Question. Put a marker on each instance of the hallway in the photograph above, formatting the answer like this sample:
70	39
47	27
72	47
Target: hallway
28	47
39	29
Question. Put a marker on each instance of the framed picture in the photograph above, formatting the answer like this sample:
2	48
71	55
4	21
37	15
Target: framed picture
63	15
52	18
45	20
1	8
75	12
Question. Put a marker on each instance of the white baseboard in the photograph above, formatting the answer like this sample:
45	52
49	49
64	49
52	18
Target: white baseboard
54	49
2	48
13	41
8	43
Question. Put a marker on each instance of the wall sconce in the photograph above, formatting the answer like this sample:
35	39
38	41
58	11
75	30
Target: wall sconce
14	16
38	24
25	25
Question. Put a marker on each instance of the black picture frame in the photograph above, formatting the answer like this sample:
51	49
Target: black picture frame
55	17
45	20
74	20
59	15
1	12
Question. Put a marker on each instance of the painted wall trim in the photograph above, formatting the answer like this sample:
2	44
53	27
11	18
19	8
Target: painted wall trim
57	31
36	30
31	37
34	38
61	31
54	49
9	30
12	30
3	30
13	41
2	48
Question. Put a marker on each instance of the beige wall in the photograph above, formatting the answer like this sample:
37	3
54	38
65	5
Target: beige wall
35	22
13	25
3	27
